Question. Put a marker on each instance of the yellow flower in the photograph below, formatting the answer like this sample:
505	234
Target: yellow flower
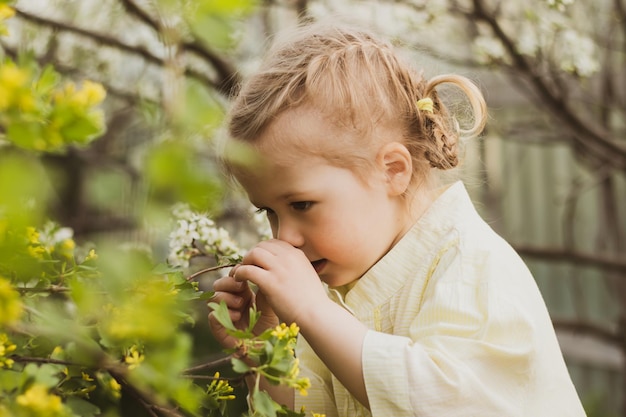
133	357
33	235
115	387
6	12
26	103
93	93
12	77
6	347
86	377
66	248
40	402
91	256
220	388
318	415
282	331
90	94
36	251
302	385
10	304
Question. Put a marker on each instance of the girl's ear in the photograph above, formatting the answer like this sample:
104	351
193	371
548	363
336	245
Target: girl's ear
395	161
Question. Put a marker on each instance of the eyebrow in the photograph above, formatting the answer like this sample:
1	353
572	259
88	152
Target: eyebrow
291	194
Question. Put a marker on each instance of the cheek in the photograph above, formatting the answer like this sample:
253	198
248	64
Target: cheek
339	234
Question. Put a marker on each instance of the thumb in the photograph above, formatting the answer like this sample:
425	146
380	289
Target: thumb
220	334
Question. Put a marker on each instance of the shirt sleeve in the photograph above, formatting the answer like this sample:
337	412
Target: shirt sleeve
468	351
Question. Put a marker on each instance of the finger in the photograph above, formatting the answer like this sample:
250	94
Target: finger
260	256
253	273
231	273
230	284
233	301
275	246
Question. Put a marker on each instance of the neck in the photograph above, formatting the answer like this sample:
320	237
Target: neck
414	205
419	201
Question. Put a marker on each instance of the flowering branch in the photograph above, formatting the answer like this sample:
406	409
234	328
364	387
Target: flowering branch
228	76
595	140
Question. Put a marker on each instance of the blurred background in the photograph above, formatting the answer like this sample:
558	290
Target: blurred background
549	173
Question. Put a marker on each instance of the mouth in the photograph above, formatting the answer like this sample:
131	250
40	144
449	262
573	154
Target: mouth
319	265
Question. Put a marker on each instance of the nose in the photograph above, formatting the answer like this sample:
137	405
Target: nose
289	232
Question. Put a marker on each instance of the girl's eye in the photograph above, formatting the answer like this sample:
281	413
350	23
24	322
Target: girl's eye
302	205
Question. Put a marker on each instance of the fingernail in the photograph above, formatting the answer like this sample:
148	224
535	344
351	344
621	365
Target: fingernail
232	271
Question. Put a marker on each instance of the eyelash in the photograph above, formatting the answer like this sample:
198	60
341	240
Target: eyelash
298	206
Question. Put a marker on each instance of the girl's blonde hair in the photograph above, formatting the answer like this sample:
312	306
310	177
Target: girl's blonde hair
359	83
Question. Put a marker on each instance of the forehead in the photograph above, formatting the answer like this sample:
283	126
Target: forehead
270	181
300	132
303	134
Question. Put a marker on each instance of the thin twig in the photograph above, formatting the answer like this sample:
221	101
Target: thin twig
203	271
209	365
30	359
52	289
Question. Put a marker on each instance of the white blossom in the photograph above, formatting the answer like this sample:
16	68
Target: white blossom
196	234
559	4
488	49
576	53
51	234
527	42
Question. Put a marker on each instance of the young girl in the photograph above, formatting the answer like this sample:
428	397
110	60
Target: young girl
408	303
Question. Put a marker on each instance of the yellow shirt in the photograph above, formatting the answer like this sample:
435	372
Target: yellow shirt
457	328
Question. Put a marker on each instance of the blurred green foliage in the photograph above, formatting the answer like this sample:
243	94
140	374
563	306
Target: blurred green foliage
104	328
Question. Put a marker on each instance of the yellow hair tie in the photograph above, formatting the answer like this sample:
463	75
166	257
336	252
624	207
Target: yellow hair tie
425	104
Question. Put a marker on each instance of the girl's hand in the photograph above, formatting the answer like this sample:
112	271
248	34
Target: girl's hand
239	298
295	292
286	277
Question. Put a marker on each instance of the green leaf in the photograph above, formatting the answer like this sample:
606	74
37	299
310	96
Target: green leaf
82	129
254	318
27	135
207	295
10	381
240	366
220	312
45	374
82	408
290	413
264	405
164	268
48	79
